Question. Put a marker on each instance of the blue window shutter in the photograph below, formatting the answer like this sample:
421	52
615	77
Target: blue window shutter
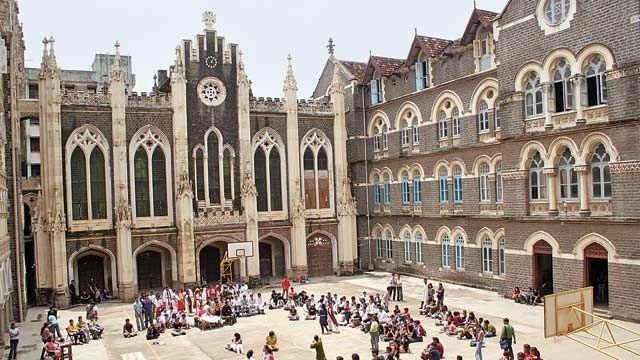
387	198
419	76
374	91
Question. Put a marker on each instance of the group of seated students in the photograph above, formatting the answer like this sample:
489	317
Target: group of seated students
530	296
79	332
462	324
528	353
224	303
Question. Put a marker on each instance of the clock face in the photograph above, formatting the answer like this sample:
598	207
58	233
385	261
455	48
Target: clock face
211	62
211	91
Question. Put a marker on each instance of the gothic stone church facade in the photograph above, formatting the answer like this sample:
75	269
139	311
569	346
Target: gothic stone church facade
144	191
508	157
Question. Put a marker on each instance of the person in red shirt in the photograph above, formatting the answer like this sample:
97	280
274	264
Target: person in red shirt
438	345
285	284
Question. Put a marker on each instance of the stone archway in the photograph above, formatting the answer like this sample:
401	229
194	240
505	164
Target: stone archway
154	265
543	267
209	254
596	272
319	255
93	262
272	255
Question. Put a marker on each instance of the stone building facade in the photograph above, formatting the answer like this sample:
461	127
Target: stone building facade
506	157
142	191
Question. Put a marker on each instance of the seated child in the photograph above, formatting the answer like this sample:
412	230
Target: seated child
127	329
293	314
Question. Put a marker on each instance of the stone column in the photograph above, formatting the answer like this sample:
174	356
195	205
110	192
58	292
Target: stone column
54	221
184	194
552	188
580	100
248	191
549	103
347	230
117	88
296	203
583	174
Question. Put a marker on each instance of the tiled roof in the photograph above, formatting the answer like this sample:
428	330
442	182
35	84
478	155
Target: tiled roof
356	68
452	46
387	66
433	46
486	17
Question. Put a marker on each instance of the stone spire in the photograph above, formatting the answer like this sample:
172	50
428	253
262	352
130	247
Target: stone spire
117	73
178	69
209	20
331	46
337	87
49	65
290	83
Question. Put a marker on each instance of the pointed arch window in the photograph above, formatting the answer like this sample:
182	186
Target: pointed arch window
537	178
502	257
377	190
499	182
455	119
562	87
459	252
317	166
409	125
388	239
484	182
269	166
568	176
406	245
597	91
419	240
533	100
417	189
213	145
87	178
227	173
150	164
442	125
487	255
483	117
445	250
406	192
379	247
199	174
600	173
443	185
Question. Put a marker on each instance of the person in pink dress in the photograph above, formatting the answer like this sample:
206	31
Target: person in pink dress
267	353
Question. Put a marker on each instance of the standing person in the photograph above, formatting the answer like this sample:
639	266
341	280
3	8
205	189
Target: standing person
323	318
147	306
55	327
72	292
479	341
425	294
267	353
317	344
374	332
391	288
139	313
440	294
285	284
507	336
14	335
399	288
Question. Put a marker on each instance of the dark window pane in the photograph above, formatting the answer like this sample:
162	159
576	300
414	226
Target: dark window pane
200	175
592	91
226	171
274	180
79	185
213	168
559	95
159	173
260	171
141	175
98	185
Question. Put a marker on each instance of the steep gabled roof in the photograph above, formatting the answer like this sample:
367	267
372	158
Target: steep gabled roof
430	46
478	18
355	68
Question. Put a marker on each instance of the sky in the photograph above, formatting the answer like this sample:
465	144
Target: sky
266	31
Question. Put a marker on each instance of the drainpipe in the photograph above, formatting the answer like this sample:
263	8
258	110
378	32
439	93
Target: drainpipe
366	171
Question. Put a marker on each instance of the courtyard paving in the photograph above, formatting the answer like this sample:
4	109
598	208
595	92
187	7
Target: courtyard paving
295	337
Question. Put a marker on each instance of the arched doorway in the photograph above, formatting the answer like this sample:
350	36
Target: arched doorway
272	258
149	270
319	255
90	269
596	270
543	267
210	257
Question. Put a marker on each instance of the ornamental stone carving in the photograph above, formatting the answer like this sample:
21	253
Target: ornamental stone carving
623	167
123	213
184	185
211	91
248	187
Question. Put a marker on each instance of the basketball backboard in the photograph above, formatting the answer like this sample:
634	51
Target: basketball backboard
559	316
240	249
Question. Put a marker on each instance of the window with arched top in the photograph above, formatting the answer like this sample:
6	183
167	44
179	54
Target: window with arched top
556	11
409	128
483	49
502	257
377	189
417	188
455	122
459	250
499	181
537	178
419	240
443	185
406	192
445	250
483	117
269	168
380	133
198	158
487	255
317	164
483	178
562	86
228	162
600	173
150	153
422	72
568	176
457	184
386	188
379	245
533	98
406	245
597	91
87	179
213	145
442	125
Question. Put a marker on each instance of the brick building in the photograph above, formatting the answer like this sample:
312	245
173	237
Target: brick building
506	157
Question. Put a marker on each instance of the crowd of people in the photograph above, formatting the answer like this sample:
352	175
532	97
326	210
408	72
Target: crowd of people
223	303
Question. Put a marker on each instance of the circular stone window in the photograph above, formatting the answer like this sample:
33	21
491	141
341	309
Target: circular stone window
211	91
556	11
